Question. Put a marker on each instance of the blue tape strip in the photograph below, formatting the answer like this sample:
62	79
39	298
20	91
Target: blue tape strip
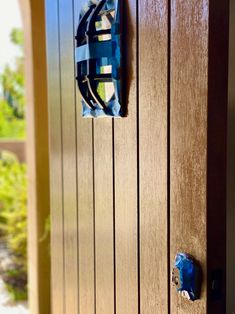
106	53
113	110
96	50
188	271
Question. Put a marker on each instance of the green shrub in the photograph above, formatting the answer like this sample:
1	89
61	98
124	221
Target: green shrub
12	77
13	221
16	281
10	125
12	88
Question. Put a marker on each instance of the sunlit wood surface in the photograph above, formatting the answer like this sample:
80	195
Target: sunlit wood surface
128	194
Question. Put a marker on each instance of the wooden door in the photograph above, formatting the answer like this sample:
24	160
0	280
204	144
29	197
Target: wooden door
128	194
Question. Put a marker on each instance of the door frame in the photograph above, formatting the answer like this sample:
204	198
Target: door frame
33	16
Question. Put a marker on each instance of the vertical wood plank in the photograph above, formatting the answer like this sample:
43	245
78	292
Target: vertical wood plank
56	189
104	219
153	51
85	202
69	155
189	66
126	207
198	137
188	139
40	125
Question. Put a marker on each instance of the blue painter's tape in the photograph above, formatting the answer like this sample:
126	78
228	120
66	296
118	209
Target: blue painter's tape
113	110
189	276
94	51
92	56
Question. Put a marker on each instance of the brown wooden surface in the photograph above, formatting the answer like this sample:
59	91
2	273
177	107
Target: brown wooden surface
104	216
117	246
126	189
189	53
41	146
85	203
66	27
33	18
56	184
198	137
153	34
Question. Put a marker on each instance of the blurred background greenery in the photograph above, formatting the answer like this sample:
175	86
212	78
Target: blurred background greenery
13	221
12	101
13	182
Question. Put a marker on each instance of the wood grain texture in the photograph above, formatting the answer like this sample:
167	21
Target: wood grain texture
40	121
69	155
153	46
32	231
189	67
85	202
55	149
104	219
95	199
126	207
198	137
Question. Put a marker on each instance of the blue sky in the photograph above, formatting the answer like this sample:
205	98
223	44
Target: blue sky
10	17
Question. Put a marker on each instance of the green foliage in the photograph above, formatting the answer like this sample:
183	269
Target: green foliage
17	37
10	125
12	105
13	220
13	81
13	197
16	282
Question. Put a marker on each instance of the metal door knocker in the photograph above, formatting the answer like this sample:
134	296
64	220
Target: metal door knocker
186	276
98	58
